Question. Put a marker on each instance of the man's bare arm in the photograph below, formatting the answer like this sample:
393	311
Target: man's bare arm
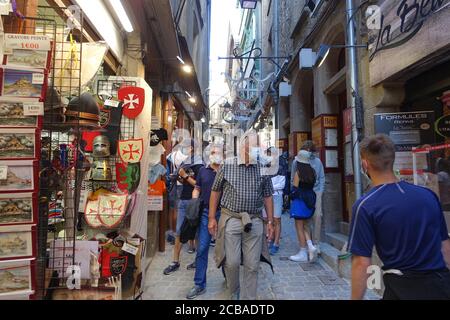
359	276
446	252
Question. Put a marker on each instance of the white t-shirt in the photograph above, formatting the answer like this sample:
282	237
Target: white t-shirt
155	154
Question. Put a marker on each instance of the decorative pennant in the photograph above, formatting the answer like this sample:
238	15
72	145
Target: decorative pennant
128	176
133	101
112	209
131	151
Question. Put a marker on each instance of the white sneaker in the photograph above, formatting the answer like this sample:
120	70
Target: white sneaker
313	252
302	256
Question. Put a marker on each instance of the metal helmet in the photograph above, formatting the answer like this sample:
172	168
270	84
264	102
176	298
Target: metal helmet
83	111
101	171
101	147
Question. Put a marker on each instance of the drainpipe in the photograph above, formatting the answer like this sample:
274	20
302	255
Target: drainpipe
276	40
354	83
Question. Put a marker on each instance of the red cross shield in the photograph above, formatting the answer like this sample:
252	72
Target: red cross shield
131	151
112	209
133	101
91	214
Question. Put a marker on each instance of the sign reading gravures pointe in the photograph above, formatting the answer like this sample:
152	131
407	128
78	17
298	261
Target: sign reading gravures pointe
27	42
406	32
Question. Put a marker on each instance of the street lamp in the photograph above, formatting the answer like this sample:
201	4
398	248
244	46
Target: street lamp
191	98
185	67
248	4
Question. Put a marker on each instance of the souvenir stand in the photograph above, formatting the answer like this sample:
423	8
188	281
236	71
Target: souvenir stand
26	64
73	172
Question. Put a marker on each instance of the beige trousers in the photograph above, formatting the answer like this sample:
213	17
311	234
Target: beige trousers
315	223
250	244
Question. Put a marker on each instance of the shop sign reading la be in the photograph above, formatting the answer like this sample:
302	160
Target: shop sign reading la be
133	101
131	151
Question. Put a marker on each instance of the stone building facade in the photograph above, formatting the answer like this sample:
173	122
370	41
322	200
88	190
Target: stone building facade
404	70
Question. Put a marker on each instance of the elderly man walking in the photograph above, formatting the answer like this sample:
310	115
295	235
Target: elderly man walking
244	191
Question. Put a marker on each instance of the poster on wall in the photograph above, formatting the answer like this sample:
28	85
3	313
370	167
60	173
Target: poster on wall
407	129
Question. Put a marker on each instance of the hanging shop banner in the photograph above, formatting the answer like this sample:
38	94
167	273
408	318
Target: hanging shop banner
131	151
407	129
442	126
347	115
133	101
398	28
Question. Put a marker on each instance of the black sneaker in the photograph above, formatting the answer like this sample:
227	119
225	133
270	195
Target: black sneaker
195	292
191	250
172	268
191	266
171	239
213	243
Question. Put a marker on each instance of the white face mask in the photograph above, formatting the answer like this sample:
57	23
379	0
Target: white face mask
254	153
216	159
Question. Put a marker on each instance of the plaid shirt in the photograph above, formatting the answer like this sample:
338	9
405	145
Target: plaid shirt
243	187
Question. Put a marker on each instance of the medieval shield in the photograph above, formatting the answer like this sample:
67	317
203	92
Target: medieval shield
131	151
118	265
91	214
133	101
112	208
128	176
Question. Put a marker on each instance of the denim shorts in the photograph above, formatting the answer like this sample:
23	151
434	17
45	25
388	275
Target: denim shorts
174	196
181	214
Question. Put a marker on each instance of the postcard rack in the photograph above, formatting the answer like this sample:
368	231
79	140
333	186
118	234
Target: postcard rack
59	168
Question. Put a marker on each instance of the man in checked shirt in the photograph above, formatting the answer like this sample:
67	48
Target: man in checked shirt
243	190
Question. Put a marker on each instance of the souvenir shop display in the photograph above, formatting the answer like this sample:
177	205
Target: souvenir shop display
18	208
83	111
18	143
15	277
18	113
24	83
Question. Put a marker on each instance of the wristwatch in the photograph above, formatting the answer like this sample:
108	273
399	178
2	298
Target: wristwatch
269	222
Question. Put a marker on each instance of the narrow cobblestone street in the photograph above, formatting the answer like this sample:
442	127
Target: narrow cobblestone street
291	280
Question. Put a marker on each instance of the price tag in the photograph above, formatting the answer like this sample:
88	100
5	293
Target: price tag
112	103
3	172
38	78
27	42
134	241
130	249
33	109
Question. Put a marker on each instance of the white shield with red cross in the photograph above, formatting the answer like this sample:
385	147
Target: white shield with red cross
112	209
131	151
133	101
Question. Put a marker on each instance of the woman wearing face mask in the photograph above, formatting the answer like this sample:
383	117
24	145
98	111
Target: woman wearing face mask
204	182
303	205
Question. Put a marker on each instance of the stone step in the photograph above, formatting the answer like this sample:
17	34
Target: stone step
344	228
337	240
339	262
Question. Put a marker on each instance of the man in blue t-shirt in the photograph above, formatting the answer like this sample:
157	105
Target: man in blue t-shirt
406	225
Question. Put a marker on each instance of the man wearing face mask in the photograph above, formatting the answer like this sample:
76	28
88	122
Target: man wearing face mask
243	191
406	225
204	183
